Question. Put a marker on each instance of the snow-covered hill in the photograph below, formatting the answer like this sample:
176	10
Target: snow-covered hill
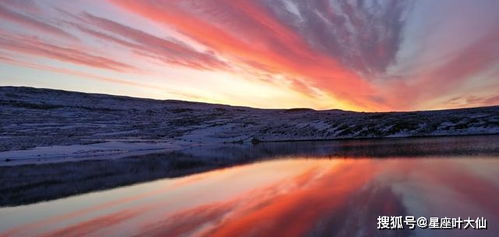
43	124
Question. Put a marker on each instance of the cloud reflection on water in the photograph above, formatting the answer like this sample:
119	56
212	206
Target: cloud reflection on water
287	197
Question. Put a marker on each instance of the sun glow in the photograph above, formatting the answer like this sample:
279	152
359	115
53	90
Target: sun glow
269	54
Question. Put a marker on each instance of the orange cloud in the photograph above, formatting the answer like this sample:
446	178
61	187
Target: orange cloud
320	54
254	36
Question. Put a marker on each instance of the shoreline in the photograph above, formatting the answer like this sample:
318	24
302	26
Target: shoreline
41	125
119	150
378	138
31	183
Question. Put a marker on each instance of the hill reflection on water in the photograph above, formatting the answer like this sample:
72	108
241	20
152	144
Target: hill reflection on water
298	196
33	183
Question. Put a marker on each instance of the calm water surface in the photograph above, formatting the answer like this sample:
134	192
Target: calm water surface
302	195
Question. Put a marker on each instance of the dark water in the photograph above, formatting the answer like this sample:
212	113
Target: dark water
310	189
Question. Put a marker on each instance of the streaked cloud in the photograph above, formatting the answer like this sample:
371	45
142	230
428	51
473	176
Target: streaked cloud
26	21
362	55
34	46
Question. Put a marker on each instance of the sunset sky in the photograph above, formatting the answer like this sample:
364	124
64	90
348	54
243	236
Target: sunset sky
363	55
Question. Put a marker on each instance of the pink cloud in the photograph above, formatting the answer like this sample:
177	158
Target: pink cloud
356	53
34	46
168	50
245	31
449	75
9	15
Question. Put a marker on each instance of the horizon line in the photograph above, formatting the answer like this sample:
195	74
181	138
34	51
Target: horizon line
233	105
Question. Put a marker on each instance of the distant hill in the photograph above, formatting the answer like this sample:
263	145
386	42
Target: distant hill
33	117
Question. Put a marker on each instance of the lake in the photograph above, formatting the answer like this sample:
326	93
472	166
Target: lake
335	188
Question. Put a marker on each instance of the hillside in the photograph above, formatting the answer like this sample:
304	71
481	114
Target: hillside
42	124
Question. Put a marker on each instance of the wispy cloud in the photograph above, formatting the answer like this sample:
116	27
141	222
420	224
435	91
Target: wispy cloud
364	35
247	32
27	21
363	55
169	51
34	46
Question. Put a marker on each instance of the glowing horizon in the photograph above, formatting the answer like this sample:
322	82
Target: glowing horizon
355	55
